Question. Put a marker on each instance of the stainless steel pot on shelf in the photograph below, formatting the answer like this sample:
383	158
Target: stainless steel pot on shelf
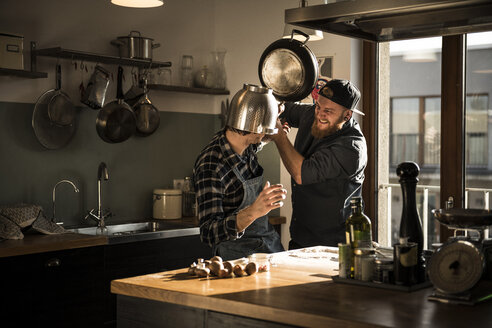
134	45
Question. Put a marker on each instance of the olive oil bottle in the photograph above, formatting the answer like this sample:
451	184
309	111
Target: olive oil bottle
358	231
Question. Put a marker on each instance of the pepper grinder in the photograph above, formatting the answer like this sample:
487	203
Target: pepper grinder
410	225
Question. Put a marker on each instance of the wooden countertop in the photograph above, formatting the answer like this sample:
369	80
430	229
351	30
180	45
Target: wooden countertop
39	243
303	298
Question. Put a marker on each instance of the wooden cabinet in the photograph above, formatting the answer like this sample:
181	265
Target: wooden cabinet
71	288
56	289
133	259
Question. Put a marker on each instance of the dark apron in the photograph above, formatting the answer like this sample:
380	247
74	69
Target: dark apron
259	236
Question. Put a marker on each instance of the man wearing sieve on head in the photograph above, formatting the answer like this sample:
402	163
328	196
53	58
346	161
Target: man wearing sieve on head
233	200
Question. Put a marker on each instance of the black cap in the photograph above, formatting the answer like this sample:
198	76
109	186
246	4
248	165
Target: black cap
342	92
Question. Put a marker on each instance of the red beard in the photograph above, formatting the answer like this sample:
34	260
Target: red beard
319	134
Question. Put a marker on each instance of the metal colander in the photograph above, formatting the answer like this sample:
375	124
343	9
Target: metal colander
253	109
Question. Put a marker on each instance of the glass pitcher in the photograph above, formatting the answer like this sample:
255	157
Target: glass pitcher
218	68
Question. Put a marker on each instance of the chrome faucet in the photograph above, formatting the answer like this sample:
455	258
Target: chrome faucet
102	174
54	197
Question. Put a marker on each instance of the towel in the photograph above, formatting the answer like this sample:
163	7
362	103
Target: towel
21	214
9	230
47	227
19	217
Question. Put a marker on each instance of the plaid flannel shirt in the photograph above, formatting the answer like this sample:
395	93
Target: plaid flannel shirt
219	191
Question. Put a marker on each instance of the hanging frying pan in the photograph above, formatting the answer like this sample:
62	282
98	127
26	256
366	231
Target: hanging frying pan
53	118
289	68
147	116
116	121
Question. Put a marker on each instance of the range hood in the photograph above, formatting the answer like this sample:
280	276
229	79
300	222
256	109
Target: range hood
388	20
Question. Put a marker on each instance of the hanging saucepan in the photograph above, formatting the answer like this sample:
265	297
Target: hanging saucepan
146	114
116	121
53	118
289	68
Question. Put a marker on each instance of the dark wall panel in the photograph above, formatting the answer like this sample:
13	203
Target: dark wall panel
28	171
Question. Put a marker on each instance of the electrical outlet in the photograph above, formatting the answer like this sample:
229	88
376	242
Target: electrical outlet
178	184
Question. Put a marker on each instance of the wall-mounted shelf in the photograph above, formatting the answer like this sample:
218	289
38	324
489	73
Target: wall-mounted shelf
58	52
23	73
176	88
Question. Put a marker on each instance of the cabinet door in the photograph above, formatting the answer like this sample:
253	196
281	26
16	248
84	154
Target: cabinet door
138	258
59	289
131	259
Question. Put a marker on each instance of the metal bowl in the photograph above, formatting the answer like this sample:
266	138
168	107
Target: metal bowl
464	218
253	109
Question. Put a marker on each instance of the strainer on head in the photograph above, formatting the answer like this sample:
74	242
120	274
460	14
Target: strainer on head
253	109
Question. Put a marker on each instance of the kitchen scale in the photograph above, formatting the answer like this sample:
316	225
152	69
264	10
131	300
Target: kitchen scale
461	269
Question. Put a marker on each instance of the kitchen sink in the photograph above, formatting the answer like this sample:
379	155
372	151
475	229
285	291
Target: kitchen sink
139	231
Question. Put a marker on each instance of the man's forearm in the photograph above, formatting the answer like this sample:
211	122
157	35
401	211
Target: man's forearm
290	157
244	218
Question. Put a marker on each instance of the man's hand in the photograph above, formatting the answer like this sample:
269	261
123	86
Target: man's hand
286	127
270	198
281	107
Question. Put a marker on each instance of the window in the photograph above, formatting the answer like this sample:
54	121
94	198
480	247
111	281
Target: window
478	120
414	113
417	121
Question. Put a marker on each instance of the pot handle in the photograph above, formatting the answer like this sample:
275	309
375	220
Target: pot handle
136	32
155	45
117	43
58	77
119	86
301	33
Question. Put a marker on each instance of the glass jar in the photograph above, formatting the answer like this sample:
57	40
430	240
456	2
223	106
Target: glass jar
189	198
344	260
363	263
262	260
202	78
186	71
383	270
164	76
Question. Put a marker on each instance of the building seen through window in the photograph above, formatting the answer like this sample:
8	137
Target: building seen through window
415	125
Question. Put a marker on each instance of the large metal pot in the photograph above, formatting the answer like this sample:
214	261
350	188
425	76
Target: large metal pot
289	68
134	45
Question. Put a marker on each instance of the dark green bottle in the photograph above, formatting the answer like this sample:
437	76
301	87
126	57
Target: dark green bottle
358	231
358	226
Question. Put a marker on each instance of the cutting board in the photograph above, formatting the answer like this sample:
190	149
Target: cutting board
317	259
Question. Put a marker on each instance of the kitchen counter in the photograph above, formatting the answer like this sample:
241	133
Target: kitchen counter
34	242
38	243
302	296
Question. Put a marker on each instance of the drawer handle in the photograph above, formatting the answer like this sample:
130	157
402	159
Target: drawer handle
54	262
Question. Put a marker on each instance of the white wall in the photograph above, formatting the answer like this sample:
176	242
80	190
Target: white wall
194	27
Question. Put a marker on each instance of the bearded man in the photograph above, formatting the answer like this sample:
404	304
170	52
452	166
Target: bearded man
326	163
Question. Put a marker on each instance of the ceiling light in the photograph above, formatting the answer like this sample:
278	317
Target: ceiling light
138	3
